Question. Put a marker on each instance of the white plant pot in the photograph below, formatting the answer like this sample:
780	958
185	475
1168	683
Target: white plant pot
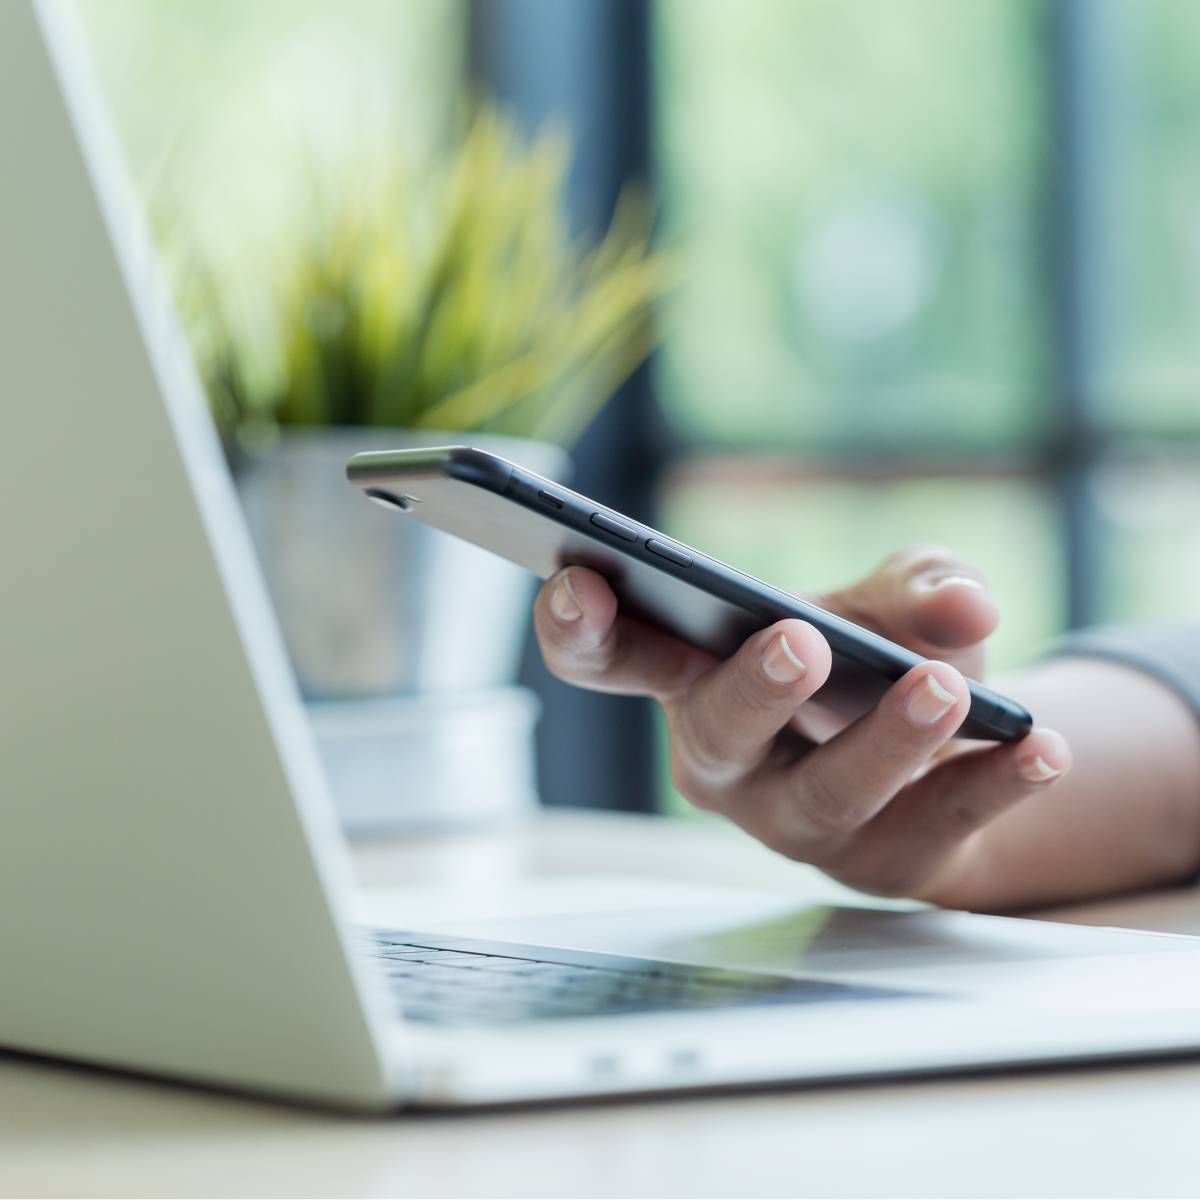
371	603
415	763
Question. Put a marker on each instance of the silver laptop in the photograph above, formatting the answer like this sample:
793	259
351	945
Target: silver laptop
175	896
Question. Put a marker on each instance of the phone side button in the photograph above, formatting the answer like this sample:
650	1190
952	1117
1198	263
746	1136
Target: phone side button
669	553
601	521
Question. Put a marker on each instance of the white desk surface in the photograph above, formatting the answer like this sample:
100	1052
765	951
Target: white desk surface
1108	1131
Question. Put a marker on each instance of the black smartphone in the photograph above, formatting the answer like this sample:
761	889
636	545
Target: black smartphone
544	526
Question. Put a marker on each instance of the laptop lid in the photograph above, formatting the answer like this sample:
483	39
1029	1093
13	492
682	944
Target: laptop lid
169	860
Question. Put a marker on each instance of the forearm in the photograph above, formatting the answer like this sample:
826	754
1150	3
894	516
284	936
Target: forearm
1126	817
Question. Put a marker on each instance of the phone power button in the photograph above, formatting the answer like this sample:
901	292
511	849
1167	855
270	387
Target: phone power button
605	522
669	553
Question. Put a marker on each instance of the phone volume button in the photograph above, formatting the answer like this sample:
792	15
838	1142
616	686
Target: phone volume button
625	532
662	550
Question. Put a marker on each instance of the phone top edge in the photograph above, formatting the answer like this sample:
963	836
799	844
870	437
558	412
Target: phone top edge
465	463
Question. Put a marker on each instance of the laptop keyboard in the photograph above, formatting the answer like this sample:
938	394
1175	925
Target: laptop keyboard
460	982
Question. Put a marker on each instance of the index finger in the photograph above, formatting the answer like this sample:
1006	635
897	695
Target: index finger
586	641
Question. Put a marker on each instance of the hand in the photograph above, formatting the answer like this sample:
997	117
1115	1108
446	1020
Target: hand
888	803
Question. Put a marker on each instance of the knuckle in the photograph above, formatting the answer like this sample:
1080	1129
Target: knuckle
894	749
689	783
573	657
559	655
826	812
958	820
595	659
748	688
682	778
707	753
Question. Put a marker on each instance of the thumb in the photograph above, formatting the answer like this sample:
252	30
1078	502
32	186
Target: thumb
926	598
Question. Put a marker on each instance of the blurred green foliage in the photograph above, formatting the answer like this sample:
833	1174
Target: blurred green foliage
452	297
868	188
861	182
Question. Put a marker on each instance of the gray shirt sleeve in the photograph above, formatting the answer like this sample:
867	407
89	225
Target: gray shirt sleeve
1170	652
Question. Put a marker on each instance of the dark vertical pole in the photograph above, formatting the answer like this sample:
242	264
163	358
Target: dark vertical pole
1090	48
585	63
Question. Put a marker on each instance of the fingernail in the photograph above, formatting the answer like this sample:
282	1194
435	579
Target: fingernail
956	580
927	701
564	604
780	663
1037	770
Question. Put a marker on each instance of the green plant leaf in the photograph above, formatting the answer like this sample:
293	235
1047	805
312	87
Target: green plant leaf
446	295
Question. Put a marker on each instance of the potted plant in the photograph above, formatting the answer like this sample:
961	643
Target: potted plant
421	308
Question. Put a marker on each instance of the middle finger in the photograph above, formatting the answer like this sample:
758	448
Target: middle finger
725	724
808	809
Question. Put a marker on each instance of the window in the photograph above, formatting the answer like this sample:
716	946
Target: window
944	286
